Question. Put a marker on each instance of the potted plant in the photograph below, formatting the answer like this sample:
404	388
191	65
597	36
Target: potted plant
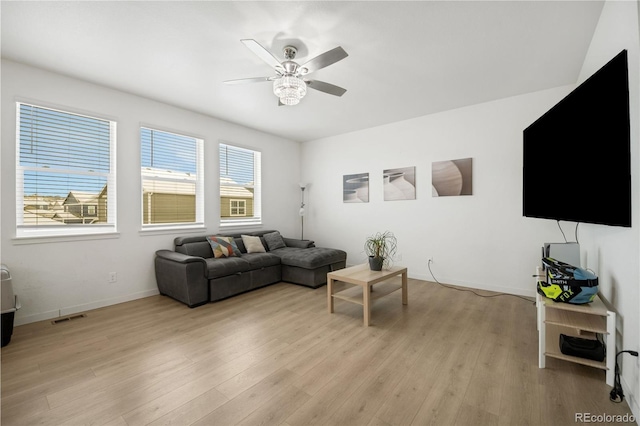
380	248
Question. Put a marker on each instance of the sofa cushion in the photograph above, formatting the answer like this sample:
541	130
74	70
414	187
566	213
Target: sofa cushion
240	245
261	260
223	246
310	258
291	242
226	266
253	244
274	240
196	248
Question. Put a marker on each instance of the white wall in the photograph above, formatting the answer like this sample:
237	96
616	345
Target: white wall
614	253
482	241
63	277
479	241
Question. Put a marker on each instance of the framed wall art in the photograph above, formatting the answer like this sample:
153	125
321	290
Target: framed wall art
452	177
399	184
355	188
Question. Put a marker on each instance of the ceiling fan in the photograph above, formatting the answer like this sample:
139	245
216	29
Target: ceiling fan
290	82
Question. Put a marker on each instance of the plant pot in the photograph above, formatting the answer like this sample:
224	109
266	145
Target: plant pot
375	263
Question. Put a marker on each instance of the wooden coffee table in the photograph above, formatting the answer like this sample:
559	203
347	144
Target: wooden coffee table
365	278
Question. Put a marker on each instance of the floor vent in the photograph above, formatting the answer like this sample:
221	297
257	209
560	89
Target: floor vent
66	319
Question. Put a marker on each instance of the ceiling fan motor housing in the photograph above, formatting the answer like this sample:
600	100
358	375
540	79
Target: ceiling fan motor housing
290	52
290	67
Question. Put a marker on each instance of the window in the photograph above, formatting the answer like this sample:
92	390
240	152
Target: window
65	173
171	179
239	186
238	208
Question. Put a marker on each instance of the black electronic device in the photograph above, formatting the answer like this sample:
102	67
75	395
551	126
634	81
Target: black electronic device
576	157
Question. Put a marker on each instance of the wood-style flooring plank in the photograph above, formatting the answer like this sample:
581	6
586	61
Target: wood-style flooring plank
275	356
249	401
193	410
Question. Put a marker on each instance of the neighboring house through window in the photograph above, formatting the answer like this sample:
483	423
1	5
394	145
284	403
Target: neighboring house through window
171	168
65	173
240	192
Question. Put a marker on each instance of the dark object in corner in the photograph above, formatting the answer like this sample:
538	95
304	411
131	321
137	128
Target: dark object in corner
7	327
583	348
9	304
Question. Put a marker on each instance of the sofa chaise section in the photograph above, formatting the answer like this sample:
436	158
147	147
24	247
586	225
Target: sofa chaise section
309	267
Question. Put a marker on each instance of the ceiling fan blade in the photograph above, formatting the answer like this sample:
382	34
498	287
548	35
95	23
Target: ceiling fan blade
263	53
326	87
250	80
324	60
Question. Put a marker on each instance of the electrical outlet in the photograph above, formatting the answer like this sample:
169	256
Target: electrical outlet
113	277
431	259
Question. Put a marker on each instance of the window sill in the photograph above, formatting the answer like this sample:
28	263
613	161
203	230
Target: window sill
164	230
43	239
232	224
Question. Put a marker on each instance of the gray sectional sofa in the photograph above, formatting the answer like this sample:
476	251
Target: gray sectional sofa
191	274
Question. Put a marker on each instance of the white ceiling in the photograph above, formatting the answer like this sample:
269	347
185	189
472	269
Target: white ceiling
406	58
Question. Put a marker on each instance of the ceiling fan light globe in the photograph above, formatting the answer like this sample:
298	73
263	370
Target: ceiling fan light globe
289	89
291	100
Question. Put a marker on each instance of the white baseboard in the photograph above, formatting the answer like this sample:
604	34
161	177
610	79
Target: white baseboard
107	302
70	310
472	285
479	286
630	398
43	316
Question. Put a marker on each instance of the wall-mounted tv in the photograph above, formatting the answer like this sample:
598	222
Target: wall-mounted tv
577	162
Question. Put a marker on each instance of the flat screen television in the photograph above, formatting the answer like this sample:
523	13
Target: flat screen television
576	157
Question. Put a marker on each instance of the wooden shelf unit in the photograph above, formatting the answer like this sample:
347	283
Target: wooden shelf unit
575	320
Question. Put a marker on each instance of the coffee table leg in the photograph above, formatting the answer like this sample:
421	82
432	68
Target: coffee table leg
330	294
366	306
405	296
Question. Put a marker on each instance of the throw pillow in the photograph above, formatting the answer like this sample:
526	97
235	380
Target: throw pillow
222	246
274	240
234	246
253	244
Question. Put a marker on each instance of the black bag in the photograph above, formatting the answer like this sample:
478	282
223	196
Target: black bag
583	348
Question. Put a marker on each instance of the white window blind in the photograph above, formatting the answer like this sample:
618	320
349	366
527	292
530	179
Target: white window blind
171	179
65	173
240	194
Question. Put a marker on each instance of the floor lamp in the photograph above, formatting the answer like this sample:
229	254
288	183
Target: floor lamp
302	188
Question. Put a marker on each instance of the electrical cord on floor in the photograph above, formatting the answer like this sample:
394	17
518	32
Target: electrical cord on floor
616	394
472	291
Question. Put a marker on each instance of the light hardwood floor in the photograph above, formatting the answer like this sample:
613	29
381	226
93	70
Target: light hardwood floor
275	356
